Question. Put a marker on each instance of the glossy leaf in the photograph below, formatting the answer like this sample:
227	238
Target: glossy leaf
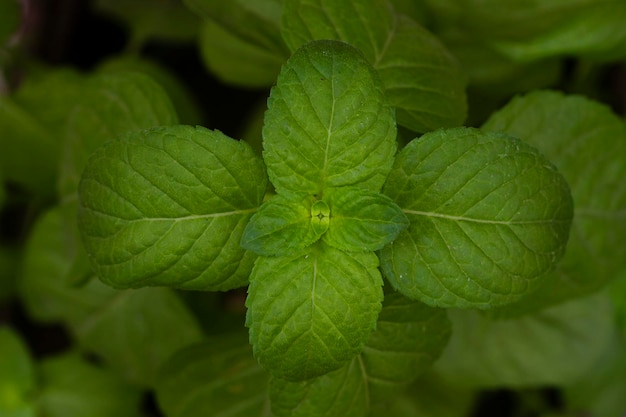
168	206
17	375
554	347
309	313
489	215
71	386
587	143
218	376
421	78
282	225
362	220
409	336
328	123
137	331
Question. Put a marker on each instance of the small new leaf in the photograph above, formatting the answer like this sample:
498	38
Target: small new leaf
328	123
309	313
362	220
489	215
282	225
168	206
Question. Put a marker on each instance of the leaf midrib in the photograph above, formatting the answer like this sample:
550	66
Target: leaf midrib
473	220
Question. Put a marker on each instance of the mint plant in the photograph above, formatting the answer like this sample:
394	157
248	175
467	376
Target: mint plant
408	221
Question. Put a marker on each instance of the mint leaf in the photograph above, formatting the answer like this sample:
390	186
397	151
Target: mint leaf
362	220
328	123
489	215
421	78
71	386
409	336
528	351
215	377
587	142
110	105
240	40
309	313
17	375
161	326
168	206
281	225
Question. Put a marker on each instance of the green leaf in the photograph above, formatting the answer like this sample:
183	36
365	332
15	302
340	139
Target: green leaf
421	78
111	104
9	20
328	123
44	292
587	143
235	61
551	348
136	331
17	375
216	377
489	215
71	386
408	338
32	127
184	102
362	220
166	20
282	225
309	313
168	206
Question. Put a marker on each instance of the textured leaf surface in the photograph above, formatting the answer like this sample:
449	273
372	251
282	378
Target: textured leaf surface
168	206
587	143
281	225
328	123
216	377
71	386
136	331
409	336
311	312
421	78
362	220
17	375
488	216
551	348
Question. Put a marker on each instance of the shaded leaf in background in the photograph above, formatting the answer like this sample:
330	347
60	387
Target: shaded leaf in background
137	330
166	20
409	336
9	20
421	78
240	41
489	215
167	206
32	127
551	348
309	313
215	377
71	386
587	143
17	375
328	123
184	102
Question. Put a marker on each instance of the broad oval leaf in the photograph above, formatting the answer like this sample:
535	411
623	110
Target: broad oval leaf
17	375
309	313
362	220
489	215
217	376
328	123
587	143
421	78
168	206
409	336
281	225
